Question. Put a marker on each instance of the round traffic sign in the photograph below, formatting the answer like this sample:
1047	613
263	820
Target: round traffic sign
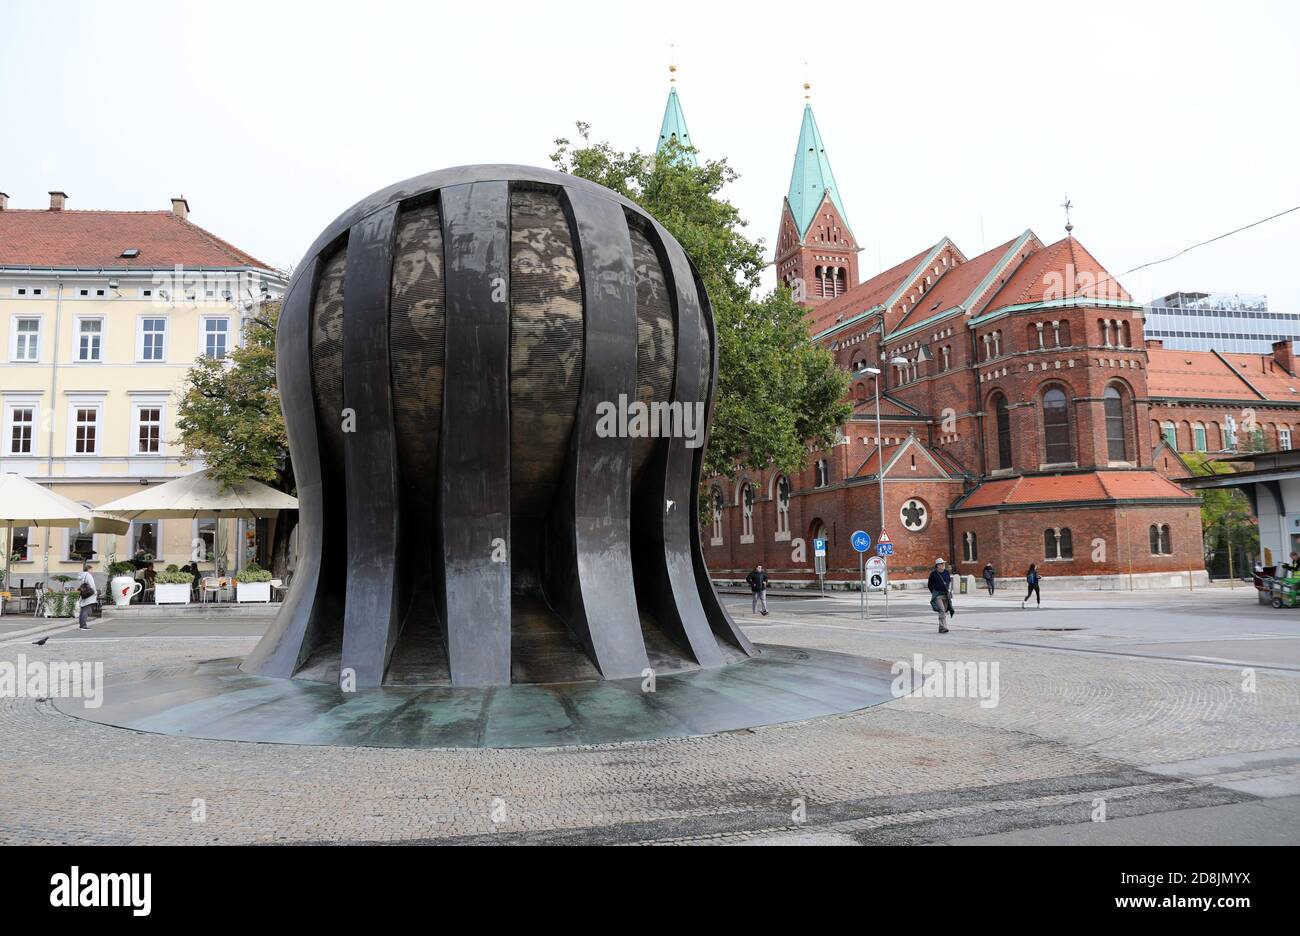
875	565
861	540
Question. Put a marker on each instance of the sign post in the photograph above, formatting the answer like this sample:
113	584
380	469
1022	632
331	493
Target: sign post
861	541
819	562
885	548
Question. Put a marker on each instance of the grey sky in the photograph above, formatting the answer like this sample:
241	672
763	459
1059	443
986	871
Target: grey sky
1166	123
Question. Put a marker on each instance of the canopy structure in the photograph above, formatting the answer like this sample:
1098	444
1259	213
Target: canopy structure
200	495
24	503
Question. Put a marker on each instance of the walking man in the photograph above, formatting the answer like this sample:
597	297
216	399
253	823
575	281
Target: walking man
89	595
758	585
1032	578
940	585
988	576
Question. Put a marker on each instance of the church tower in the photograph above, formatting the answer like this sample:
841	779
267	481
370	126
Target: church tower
674	125
815	246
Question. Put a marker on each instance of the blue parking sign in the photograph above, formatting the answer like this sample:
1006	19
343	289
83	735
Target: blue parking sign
861	541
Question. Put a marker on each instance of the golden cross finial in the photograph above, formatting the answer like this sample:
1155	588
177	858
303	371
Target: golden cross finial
672	63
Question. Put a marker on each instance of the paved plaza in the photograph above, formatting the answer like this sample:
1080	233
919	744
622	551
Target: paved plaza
1173	714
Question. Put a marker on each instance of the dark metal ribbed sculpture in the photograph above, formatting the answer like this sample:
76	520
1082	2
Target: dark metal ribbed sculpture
446	351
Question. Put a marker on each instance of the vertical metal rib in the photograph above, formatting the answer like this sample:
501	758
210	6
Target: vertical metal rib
670	492
373	604
719	618
474	503
291	637
589	578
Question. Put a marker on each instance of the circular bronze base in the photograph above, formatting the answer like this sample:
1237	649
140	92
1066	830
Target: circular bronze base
215	700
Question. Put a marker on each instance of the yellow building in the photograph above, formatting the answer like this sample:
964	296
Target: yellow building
101	315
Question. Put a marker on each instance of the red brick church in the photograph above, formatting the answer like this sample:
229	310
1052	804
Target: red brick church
1024	417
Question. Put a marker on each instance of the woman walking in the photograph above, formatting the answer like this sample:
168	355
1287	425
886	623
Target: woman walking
940	585
89	595
988	576
1032	578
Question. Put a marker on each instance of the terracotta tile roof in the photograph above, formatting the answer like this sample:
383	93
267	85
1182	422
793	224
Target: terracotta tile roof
955	286
1207	375
96	239
865	295
1092	485
1057	271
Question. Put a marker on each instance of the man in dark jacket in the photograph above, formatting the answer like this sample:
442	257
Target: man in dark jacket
758	585
988	576
940	585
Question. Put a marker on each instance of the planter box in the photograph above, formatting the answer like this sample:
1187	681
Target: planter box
252	591
171	594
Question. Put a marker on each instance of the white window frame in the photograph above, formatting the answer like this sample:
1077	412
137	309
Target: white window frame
93	292
139	339
134	445
13	337
134	531
21	403
27	550
76	335
1284	439
195	535
203	335
29	292
80	402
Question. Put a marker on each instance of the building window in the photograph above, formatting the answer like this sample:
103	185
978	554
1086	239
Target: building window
969	547
27	340
145	537
1058	544
1161	540
153	339
22	425
1166	429
90	339
1002	414
718	518
19	547
205	538
783	507
148	434
216	337
81	546
1116	436
1056	427
1198	437
1283	439
823	473
747	512
85	430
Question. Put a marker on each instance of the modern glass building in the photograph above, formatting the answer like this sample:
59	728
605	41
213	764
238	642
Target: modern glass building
1230	322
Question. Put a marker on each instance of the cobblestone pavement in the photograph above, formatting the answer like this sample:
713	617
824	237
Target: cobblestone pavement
1071	730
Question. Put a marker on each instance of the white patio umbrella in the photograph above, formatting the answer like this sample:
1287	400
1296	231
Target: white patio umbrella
199	495
24	503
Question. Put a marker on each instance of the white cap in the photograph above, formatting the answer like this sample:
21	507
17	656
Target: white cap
939	560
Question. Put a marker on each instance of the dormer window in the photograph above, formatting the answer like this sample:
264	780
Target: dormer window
131	253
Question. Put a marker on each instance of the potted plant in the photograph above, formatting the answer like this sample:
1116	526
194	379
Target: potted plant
253	583
60	602
172	586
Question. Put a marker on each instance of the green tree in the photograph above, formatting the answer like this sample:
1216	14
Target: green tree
230	417
1226	518
779	395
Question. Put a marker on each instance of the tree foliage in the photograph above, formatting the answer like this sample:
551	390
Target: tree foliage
1226	517
229	413
779	395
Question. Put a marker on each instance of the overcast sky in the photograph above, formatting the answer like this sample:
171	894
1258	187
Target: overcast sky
1166	123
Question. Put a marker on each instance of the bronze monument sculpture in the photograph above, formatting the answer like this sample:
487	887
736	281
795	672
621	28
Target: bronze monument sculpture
450	354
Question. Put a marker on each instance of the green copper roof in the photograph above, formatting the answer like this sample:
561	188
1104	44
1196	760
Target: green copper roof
812	177
675	126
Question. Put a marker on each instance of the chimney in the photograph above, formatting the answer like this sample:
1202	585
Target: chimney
1155	344
57	199
4	201
1284	355
181	208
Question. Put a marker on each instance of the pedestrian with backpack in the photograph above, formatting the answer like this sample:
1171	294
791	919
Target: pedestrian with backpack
1032	578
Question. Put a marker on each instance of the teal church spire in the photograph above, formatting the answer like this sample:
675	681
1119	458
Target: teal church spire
674	124
812	178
